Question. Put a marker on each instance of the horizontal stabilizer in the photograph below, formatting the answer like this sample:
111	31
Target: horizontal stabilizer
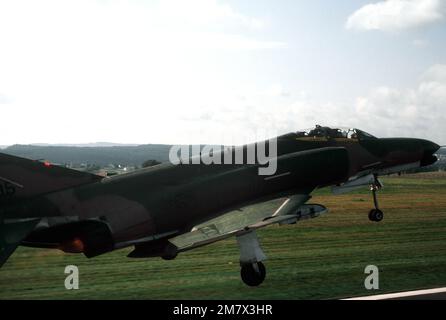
21	178
11	234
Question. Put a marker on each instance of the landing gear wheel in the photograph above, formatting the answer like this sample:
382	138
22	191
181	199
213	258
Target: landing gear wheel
376	215
253	274
168	257
170	252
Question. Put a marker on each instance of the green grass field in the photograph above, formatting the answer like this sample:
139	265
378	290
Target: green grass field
321	258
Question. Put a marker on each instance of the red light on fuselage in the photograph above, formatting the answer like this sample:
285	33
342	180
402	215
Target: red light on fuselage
47	164
74	246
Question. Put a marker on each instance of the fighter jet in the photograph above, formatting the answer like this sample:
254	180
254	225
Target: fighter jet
170	208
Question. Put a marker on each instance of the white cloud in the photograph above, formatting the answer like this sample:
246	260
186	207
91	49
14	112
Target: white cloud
420	43
396	15
416	112
87	64
277	90
203	12
436	73
5	99
78	71
384	111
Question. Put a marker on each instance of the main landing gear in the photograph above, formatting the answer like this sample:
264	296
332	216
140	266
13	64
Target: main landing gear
376	214
252	271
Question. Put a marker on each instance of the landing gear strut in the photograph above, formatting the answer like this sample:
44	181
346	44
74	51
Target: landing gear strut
376	214
252	271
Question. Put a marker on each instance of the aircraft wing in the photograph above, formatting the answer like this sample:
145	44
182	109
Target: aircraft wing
11	234
284	211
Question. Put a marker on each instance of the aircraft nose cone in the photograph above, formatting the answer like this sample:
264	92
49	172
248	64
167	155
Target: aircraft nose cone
430	147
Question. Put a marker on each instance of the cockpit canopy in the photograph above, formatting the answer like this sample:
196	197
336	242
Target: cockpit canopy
334	133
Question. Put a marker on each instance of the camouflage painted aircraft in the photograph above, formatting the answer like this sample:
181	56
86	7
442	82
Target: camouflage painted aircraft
167	209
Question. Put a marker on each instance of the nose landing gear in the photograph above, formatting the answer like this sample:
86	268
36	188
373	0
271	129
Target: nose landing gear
376	214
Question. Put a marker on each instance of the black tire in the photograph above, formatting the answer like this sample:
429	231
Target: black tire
250	276
169	256
376	215
372	215
379	215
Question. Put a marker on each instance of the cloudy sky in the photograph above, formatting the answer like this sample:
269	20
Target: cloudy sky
201	71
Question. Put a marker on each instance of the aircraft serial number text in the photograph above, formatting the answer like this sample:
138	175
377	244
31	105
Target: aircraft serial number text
6	189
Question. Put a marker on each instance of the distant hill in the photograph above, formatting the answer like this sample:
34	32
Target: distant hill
93	144
103	155
127	155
